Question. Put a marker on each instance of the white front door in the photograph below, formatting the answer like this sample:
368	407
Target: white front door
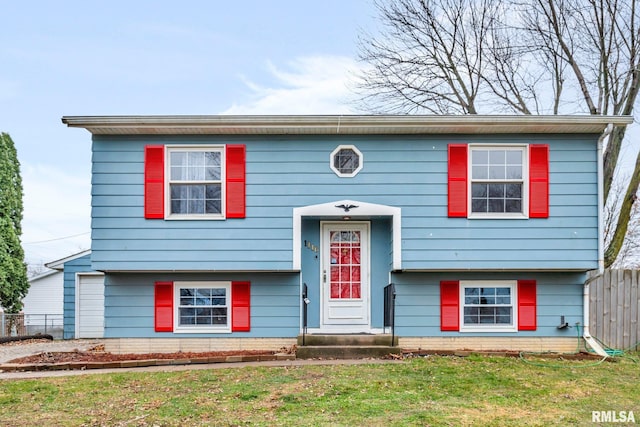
345	276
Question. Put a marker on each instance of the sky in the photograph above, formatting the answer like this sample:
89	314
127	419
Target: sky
146	57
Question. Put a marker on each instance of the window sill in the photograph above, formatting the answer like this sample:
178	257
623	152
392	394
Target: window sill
489	329
194	217
201	331
497	216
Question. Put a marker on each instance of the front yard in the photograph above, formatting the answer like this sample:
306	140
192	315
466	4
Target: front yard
432	390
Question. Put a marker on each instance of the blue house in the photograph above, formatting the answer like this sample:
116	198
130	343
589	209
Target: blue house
222	232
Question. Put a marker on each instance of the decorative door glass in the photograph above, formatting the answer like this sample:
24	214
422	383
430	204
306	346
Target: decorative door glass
345	264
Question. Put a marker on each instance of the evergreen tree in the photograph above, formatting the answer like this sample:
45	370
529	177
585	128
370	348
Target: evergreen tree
13	270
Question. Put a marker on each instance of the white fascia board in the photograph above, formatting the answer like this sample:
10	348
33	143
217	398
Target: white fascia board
343	124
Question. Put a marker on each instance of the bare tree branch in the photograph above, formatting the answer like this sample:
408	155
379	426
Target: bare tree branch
523	57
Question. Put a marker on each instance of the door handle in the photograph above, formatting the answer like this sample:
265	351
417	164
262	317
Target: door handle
324	276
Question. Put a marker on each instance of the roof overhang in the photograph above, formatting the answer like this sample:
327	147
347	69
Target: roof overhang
342	124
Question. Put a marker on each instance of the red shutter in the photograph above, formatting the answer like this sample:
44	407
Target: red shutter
538	181
449	305
154	182
236	181
164	307
240	306
527	305
457	181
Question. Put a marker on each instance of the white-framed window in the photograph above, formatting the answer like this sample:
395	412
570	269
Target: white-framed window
488	306
195	178
202	307
346	161
498	181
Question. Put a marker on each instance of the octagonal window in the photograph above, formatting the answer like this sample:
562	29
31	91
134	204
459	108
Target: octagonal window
346	160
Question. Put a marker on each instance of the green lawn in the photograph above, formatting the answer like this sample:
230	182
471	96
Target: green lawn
423	391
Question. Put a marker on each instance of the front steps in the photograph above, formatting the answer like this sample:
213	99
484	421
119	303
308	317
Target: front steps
346	346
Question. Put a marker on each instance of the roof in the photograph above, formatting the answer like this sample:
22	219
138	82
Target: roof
341	124
59	264
43	275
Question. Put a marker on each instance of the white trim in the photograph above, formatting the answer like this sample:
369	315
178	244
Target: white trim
344	124
346	147
167	181
59	264
512	284
207	329
524	149
331	211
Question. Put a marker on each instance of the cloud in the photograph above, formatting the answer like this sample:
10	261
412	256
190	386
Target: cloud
306	85
57	213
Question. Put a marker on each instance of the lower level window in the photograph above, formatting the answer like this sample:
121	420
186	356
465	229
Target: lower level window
488	306
203	306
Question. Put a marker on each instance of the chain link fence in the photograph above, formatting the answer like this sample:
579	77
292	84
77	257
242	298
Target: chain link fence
14	325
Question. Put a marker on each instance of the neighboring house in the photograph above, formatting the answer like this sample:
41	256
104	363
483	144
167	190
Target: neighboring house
81	296
42	306
208	228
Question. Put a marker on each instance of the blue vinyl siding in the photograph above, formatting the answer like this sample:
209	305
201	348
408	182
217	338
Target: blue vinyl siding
284	172
71	268
418	302
129	304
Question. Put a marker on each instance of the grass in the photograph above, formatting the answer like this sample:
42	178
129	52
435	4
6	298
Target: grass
488	391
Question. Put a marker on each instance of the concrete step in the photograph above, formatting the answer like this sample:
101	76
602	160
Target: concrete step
346	340
345	352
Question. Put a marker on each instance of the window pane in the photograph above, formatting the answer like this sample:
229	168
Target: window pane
513	206
195	158
346	161
196	192
479	190
471	315
178	158
514	172
503	291
219	316
479	205
497	157
496	172
480	157
472	300
496	190
196	206
514	157
179	192
496	205
479	172
513	191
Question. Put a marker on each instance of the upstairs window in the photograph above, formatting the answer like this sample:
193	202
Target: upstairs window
187	182
495	181
195	182
498	180
346	161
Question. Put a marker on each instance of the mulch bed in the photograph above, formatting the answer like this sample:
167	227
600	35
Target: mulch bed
99	356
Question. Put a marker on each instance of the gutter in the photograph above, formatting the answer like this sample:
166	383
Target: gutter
586	335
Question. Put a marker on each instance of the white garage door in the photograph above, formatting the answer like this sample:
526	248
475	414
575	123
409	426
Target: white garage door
90	306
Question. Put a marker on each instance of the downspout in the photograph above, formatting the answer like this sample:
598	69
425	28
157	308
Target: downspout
586	335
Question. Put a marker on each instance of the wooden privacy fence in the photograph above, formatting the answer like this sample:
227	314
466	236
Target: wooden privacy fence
614	317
